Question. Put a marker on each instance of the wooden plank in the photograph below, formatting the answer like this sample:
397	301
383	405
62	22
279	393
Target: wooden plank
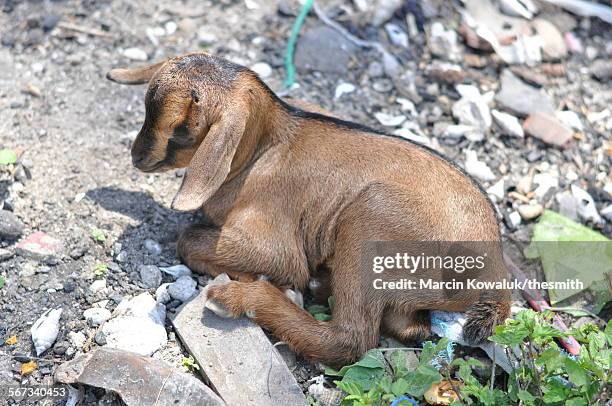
236	357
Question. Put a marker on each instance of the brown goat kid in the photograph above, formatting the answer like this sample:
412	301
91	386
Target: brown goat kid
292	194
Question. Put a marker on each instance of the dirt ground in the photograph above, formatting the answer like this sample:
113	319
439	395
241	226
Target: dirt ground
74	129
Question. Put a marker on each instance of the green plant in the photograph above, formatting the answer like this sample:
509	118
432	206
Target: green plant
544	373
190	364
98	235
375	381
100	271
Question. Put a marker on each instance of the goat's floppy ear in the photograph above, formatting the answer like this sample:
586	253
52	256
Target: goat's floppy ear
135	76
212	161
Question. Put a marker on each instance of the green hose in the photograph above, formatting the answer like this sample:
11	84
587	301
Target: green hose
295	31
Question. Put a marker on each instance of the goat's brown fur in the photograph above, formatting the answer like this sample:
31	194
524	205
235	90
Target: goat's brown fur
287	192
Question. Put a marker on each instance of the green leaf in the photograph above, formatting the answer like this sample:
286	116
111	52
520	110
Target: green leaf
576	402
608	332
577	375
509	335
526	396
365	377
421	379
98	235
554	392
552	359
7	156
322	317
399	387
1	282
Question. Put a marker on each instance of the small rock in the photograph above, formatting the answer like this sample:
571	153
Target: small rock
177	271
457	131
161	294
497	191
515	218
607	213
382	85
521	98
443	43
602	69
388	120
530	212
77	339
323	49
10	226
396	35
375	70
153	247
183	289
50	21
587	210
39	246
60	347
477	168
97	286
150	276
383	10
206	38
545	182
45	330
170	27
570	119
262	69
567	205
524	185
573	43
509	124
547	128
343	88
472	108
96	316
5	254
553	45
135	54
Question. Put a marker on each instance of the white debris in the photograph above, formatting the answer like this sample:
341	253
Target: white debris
135	54
97	286
396	35
570	119
183	289
462	130
138	326
515	218
170	27
472	109
477	168
96	316
497	191
443	43
389	120
344	88
409	135
586	205
45	330
407	105
545	181
206	38
262	69
77	339
509	124
176	271
162	295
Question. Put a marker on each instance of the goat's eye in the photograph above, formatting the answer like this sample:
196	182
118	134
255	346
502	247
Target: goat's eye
181	131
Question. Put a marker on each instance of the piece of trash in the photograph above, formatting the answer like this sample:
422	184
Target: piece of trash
509	124
548	129
388	120
45	330
28	368
472	109
477	168
571	251
587	210
7	156
442	393
12	340
324	395
138	380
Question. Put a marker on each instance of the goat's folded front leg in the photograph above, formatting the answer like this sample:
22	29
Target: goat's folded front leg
214	251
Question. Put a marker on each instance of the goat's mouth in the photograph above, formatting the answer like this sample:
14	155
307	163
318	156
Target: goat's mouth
152	168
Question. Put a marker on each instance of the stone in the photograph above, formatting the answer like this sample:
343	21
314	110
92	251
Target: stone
443	43
138	326
161	294
206	38
548	129
472	108
530	212
138	380
476	168
96	316
135	54
515	218
10	226
97	286
509	124
183	289
601	69
45	329
570	119
262	69
176	271
77	339
258	377
497	191
344	88
522	99
152	246
396	35
39	246
150	276
553	44
323	49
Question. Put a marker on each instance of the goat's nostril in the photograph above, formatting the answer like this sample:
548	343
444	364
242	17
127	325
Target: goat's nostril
137	159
